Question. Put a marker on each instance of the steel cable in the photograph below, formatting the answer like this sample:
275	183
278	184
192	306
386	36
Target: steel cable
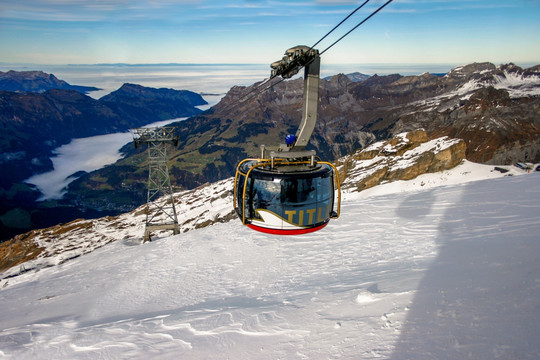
257	91
354	28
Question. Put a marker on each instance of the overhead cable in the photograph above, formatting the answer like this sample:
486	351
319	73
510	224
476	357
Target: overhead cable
354	28
338	25
257	90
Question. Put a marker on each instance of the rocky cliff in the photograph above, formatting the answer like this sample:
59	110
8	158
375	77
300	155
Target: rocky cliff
403	157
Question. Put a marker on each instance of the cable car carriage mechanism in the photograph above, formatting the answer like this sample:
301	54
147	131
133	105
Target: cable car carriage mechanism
289	190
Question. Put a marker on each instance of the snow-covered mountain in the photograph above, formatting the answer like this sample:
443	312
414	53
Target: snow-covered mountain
494	109
443	266
404	157
517	81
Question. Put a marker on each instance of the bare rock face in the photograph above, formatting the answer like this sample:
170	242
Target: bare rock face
403	157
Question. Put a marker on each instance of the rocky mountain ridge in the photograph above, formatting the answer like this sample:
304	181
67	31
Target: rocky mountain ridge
153	103
495	110
355	76
351	113
36	81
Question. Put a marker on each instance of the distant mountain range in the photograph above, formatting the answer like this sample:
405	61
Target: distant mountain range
495	110
355	77
36	81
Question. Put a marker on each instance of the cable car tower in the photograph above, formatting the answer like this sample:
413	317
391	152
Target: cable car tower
160	215
289	190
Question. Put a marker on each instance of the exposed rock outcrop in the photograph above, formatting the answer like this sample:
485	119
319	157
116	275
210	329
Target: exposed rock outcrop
403	157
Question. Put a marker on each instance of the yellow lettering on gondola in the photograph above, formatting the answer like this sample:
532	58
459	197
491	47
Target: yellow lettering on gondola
310	212
291	217
290	214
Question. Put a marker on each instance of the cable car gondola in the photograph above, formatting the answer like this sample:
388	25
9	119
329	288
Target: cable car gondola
290	191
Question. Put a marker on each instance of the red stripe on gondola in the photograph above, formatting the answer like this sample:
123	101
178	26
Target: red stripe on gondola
286	232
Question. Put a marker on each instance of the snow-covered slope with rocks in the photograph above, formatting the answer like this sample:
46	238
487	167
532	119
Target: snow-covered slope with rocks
196	208
406	156
403	157
494	109
517	81
439	267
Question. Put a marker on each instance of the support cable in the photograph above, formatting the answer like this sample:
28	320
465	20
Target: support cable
338	25
354	28
257	90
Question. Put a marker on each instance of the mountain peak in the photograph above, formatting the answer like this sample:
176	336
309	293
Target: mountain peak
129	91
354	77
36	81
465	71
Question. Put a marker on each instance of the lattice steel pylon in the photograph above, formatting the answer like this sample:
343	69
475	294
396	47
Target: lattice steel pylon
160	215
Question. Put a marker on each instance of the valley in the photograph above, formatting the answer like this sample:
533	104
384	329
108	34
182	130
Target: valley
36	123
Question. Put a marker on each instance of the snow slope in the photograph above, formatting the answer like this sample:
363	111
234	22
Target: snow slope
411	270
518	82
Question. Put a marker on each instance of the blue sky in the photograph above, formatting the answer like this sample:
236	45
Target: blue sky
259	31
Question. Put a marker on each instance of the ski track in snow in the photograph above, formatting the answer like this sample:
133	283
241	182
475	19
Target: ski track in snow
445	272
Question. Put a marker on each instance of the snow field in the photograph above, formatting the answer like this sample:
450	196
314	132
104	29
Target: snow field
411	270
480	297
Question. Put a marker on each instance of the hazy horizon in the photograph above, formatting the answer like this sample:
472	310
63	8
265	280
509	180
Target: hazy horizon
206	78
